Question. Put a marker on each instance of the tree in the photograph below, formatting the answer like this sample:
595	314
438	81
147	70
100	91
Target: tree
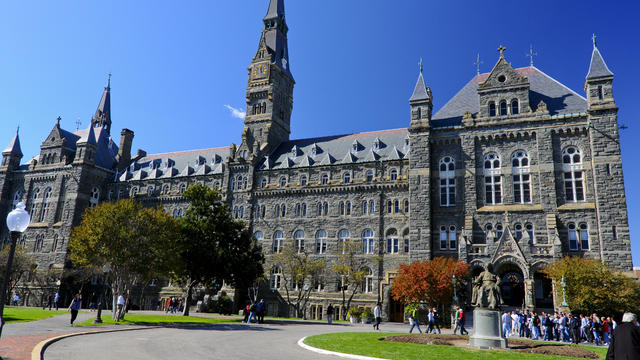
20	269
214	248
300	274
429	281
593	287
132	240
350	267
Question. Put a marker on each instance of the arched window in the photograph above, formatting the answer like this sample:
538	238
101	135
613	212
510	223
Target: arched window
369	176
443	237
503	108
325	179
396	206
367	241
518	231
283	210
257	214
578	236
392	241
278	238
262	211
389	206
183	188
347	208
364	207
245	181
393	175
298	238
372	207
95	196
264	107
241	212
492	179
321	242
492	109
529	229
343	237
341	208
298	209
277	212
34	199
17	197
489	234
46	199
346	177
304	210
515	108
499	231
319	212
54	246
283	182
406	206
259	236
573	174
303	180
165	189
405	235
276	278
447	181
453	238
367	284
521	177
325	209
232	185
263	183
235	212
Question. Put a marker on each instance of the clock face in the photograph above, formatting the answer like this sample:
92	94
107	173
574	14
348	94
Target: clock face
260	71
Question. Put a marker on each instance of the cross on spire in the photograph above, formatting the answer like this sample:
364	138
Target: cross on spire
477	64
58	120
420	64
18	129
78	123
502	49
531	54
109	81
593	37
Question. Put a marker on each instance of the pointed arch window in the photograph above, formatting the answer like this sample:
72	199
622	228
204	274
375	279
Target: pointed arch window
283	182
303	180
372	207
46	199
364	207
34	199
325	179
573	174
503	108
447	166
515	107
492	179
521	177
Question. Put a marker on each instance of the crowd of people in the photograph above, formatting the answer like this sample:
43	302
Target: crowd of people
173	306
558	326
254	312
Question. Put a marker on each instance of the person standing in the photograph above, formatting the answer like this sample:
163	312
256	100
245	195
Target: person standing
605	331
329	314
56	299
75	306
49	303
625	340
377	313
436	321
92	302
15	299
245	314
430	321
413	319
463	320
260	309
252	313
456	321
120	304
506	324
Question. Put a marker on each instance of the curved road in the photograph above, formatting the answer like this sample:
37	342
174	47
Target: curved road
224	341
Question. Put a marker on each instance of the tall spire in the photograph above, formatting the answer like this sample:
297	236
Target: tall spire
420	92
14	145
102	116
597	67
276	9
275	35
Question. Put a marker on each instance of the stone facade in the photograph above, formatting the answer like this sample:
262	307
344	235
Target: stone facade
516	170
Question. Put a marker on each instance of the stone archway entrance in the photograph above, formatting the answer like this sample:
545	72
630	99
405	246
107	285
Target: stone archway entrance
512	285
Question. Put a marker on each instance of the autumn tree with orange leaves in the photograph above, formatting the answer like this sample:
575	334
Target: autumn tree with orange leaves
430	281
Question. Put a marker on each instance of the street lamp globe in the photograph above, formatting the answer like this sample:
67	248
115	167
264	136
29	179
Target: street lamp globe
18	219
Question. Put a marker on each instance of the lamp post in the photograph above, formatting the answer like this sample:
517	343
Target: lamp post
17	222
564	298
455	296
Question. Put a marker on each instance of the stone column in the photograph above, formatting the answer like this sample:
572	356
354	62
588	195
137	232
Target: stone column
529	291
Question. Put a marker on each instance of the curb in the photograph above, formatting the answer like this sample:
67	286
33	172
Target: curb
37	352
327	352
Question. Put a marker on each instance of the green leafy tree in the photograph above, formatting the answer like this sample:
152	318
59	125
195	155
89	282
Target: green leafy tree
20	269
594	287
135	243
214	248
350	267
301	274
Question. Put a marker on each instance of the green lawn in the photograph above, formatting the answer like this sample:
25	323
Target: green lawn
138	319
369	344
14	314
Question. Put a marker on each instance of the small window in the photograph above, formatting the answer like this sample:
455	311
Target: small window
503	108
518	231
499	231
183	187
347	177
348	208
367	241
584	236
364	207
396	206
278	238
325	208
515	108
406	206
372	207
263	183
325	179
283	182
321	242
573	236
393	175
389	207
303	180
492	109
369	176
614	232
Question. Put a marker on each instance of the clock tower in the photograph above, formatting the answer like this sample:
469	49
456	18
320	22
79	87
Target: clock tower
269	89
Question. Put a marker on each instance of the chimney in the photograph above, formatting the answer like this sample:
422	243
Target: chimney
124	152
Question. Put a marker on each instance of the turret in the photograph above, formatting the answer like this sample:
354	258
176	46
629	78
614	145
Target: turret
598	84
11	155
86	148
421	104
102	117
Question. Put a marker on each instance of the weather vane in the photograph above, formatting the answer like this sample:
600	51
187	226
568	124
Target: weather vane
530	55
420	64
477	64
78	123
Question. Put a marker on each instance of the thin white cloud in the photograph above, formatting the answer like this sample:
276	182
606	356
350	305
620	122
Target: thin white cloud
236	113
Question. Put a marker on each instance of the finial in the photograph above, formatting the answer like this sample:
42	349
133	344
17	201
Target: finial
58	121
593	37
18	130
502	49
531	54
78	123
477	64
109	81
420	64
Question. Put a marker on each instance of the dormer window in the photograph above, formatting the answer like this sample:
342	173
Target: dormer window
515	108
492	109
406	142
503	108
376	144
314	150
355	147
294	152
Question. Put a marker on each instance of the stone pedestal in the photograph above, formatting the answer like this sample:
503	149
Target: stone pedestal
487	330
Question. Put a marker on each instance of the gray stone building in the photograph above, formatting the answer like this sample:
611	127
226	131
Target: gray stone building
516	170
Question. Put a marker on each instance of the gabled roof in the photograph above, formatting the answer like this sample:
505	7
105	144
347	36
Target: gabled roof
559	98
14	146
597	67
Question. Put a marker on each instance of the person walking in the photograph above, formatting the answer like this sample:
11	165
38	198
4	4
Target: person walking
75	306
329	314
49	303
377	313
413	320
120	303
430	321
260	308
456	321
625	340
506	324
605	331
16	298
596	328
252	313
463	319
56	299
245	314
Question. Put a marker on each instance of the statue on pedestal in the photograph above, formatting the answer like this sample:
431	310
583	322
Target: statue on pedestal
486	290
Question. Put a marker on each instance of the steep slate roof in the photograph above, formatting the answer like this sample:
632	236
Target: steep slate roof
420	91
14	146
339	148
597	67
107	149
182	163
559	98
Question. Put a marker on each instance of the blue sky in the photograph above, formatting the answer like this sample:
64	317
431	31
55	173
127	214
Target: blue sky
179	67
